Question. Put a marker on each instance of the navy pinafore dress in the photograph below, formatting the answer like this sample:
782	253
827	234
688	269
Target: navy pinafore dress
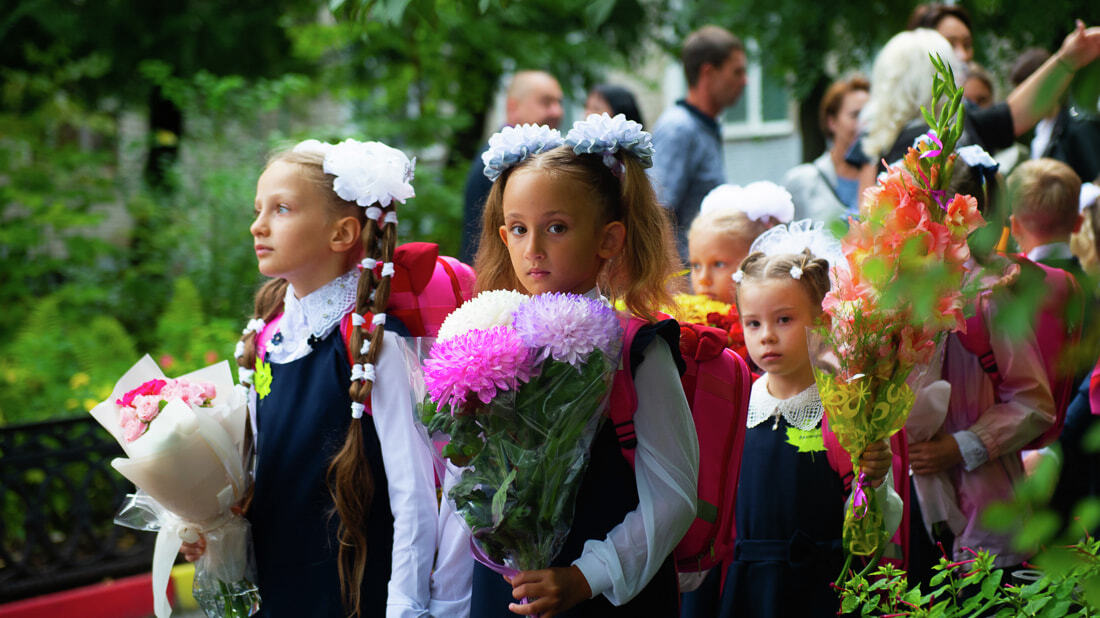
302	423
608	492
790	510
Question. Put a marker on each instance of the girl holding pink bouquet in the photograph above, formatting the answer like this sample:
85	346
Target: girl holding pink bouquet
344	510
790	500
578	215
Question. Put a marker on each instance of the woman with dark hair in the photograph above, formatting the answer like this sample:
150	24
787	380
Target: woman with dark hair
612	100
952	21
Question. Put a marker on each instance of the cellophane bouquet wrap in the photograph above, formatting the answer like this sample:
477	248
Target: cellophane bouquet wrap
899	290
519	385
183	441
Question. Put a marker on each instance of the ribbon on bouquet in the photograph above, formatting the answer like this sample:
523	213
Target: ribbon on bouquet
859	497
495	566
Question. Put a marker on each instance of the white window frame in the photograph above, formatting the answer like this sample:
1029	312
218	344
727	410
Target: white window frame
755	125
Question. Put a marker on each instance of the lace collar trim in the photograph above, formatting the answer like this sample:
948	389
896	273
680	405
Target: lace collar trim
803	410
313	316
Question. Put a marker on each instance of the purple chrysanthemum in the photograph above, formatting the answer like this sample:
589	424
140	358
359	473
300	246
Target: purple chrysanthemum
477	362
567	327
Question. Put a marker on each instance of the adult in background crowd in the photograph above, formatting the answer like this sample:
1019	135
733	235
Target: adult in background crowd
902	78
611	100
978	87
534	97
688	162
828	187
950	20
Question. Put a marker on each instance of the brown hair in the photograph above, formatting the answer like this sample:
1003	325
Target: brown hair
349	473
708	45
930	16
834	98
814	279
639	274
1045	194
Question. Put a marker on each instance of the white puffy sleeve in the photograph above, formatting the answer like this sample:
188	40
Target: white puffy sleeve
666	467
411	481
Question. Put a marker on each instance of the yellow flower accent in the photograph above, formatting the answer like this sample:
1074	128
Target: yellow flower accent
262	378
694	308
79	379
806	440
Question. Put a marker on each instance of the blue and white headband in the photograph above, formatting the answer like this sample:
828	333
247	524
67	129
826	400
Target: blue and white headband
511	145
603	135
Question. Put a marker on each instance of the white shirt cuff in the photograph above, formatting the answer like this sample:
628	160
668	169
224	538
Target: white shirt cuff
973	451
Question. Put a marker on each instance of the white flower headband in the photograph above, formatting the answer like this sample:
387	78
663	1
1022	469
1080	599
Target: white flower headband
603	135
366	173
757	200
796	237
511	145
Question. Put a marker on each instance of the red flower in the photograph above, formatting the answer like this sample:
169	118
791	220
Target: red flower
152	387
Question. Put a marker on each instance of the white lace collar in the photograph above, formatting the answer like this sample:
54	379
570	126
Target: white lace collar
803	410
315	315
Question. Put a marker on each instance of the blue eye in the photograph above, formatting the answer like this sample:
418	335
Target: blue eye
556	228
282	208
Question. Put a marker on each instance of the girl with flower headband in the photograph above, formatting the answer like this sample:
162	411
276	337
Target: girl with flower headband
790	500
730	218
579	215
334	487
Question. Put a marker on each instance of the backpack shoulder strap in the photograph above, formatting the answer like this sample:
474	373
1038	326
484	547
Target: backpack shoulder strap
624	399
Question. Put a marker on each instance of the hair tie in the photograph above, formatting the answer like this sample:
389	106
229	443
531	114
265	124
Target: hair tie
374	213
357	319
738	276
798	236
239	350
387	269
372	295
796	272
365	348
379	319
357	409
613	164
363	372
368	263
512	145
255	325
391	217
244	375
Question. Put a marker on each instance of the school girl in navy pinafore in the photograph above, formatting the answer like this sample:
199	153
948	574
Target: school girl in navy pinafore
607	493
302	423
790	509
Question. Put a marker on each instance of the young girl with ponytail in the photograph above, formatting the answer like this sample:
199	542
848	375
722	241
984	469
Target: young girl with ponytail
343	511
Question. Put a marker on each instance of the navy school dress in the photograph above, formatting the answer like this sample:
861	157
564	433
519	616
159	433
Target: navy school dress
302	423
607	493
790	510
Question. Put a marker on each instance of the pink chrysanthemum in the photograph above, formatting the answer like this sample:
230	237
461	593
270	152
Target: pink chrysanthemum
567	327
477	362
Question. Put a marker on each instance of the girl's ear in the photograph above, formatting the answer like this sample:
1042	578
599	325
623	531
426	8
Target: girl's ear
503	235
612	240
345	234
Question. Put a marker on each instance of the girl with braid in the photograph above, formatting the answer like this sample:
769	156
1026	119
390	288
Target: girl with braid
343	510
790	500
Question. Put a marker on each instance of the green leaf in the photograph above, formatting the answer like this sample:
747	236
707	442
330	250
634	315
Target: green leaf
1091	442
849	604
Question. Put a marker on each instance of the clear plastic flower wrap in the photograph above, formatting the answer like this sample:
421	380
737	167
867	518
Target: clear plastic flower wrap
183	440
515	408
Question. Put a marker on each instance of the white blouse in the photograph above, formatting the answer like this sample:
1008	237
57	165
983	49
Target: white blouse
666	469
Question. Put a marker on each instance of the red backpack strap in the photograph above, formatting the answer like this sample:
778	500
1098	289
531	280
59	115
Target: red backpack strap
345	333
1094	390
624	399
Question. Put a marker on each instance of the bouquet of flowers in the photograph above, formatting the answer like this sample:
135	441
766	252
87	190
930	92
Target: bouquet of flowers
700	309
519	385
183	443
900	289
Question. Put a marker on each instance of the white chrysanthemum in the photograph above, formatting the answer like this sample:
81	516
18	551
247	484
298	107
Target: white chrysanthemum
513	144
600	133
484	311
370	172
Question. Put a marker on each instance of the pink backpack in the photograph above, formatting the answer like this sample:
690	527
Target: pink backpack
717	383
1052	333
